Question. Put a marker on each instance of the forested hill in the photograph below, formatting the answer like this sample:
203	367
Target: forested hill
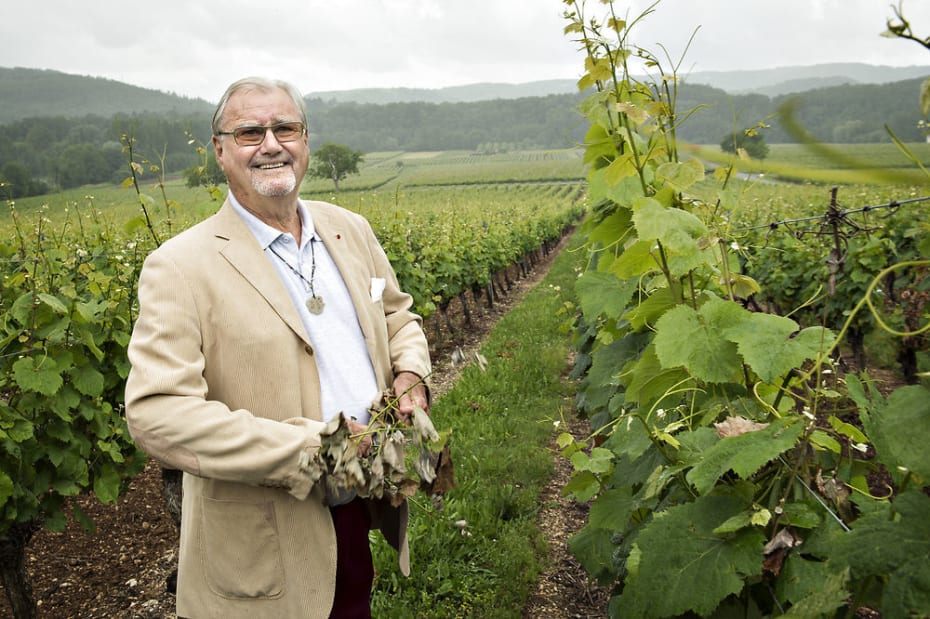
73	137
845	114
26	93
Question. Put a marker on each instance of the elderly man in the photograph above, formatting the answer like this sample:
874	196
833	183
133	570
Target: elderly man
255	327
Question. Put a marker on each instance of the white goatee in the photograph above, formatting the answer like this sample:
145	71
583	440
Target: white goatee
275	186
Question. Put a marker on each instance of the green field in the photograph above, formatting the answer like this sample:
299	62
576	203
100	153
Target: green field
387	171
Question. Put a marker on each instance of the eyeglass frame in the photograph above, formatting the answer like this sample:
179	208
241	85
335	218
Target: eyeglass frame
265	128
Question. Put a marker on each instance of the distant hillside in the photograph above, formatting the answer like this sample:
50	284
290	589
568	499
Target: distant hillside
451	94
845	113
769	82
800	85
785	80
27	93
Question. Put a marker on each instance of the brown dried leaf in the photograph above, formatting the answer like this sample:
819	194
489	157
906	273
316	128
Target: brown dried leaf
392	451
736	426
405	490
424	425
445	473
832	488
424	467
783	539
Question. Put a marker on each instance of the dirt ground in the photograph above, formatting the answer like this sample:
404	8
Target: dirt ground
122	570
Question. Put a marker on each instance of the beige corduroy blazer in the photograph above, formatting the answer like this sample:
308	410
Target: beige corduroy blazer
223	385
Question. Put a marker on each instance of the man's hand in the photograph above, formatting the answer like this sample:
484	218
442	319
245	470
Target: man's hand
411	392
363	440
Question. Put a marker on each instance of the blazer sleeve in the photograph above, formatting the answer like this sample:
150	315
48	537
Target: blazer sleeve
407	343
168	410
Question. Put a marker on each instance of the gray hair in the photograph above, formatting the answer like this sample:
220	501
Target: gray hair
261	84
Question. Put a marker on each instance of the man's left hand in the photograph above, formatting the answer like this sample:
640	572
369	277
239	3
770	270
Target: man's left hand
412	394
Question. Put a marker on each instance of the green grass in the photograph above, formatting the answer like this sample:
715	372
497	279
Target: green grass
386	172
501	420
412	169
114	205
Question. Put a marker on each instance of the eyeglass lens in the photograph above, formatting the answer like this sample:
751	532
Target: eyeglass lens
252	135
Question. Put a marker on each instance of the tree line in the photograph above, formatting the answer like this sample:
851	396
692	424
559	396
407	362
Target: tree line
53	153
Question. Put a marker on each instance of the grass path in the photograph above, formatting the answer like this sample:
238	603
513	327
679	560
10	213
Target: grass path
481	554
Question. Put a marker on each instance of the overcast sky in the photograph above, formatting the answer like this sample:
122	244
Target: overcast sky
197	47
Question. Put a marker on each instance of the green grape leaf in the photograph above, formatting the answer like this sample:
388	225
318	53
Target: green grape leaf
745	454
39	375
612	509
907	593
84	521
800	577
21	430
635	260
583	486
593	547
771	345
134	225
900	429
847	429
694	340
614	227
87	380
828	595
55	521
603	294
648	311
623	166
600	461
673	226
743	286
90	310
6	488
684	566
802	515
648	381
679	232
106	484
680	176
53	302
879	544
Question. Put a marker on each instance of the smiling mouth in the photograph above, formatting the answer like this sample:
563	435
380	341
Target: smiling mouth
270	166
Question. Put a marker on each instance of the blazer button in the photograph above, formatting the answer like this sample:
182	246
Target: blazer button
308	349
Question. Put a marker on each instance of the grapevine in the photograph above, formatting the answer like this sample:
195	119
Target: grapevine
733	466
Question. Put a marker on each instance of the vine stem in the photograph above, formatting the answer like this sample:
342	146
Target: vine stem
867	300
133	171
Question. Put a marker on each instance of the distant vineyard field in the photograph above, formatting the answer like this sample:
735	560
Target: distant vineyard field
885	155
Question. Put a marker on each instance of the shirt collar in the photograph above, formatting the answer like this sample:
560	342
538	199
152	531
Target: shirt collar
265	234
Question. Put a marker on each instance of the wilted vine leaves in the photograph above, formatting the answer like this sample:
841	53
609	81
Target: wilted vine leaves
403	458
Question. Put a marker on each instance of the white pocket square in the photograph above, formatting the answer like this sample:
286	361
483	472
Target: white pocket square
377	287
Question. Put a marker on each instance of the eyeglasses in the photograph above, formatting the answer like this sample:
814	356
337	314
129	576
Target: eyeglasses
253	135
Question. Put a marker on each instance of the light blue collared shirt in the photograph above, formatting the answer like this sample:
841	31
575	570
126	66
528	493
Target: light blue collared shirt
347	376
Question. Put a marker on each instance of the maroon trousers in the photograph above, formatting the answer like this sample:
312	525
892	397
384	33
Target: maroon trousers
355	572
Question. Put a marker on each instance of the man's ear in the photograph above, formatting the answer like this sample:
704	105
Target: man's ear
218	150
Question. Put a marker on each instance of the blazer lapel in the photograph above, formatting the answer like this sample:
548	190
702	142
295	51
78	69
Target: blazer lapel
242	251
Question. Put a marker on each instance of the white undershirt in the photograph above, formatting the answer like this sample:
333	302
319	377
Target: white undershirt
347	377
